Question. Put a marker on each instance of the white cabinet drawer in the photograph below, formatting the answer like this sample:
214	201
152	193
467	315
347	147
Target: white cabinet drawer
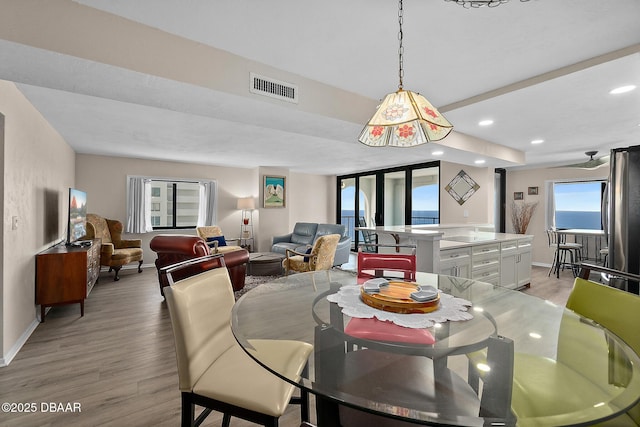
486	262
455	262
486	256
509	246
524	243
482	274
454	254
492	248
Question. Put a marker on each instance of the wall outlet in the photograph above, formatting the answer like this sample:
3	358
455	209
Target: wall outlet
465	213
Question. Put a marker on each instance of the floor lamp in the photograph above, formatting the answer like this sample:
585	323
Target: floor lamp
247	205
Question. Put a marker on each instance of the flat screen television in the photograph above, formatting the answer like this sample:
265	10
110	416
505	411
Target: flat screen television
77	223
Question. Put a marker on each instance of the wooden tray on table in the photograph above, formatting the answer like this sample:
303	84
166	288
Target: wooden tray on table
396	298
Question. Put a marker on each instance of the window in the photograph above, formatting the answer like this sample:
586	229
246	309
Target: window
577	204
425	194
175	204
395	196
157	203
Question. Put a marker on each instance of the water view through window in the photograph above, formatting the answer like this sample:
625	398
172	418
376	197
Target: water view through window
578	205
391	197
425	209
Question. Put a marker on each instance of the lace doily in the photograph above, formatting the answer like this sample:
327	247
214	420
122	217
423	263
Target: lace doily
451	309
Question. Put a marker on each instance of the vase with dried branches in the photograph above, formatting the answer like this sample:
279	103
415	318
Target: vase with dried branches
521	214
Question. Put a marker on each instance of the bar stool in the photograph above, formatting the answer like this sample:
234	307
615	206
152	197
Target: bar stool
562	250
604	253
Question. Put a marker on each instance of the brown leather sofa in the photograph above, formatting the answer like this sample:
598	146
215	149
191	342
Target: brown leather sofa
173	248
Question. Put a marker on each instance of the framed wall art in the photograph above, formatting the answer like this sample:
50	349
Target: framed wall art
533	191
518	195
461	187
274	192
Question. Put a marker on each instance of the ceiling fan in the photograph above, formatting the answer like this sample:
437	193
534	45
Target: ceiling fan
591	163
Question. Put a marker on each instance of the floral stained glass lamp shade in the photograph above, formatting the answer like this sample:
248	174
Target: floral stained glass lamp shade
405	119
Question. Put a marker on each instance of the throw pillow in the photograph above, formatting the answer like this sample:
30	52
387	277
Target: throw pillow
306	259
220	239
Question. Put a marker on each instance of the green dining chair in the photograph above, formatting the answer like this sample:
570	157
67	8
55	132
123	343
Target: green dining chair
544	386
554	390
616	310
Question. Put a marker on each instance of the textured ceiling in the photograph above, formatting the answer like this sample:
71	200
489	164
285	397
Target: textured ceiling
539	69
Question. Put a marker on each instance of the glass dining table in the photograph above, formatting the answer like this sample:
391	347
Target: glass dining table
482	369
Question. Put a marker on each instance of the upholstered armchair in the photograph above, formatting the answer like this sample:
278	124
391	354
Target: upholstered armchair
320	257
116	252
215	239
305	234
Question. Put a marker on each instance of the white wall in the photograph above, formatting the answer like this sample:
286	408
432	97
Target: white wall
38	169
308	197
520	180
313	198
479	208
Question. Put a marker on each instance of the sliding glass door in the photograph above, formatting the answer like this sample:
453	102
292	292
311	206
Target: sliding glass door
425	196
384	197
347	204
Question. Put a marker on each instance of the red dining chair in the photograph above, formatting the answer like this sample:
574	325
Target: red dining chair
402	266
372	265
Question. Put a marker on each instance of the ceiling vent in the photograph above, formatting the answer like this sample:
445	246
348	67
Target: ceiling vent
273	88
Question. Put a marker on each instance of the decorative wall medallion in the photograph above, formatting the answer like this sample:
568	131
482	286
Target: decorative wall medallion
461	187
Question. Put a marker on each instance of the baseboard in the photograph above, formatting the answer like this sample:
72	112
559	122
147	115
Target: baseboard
541	264
13	351
131	266
7	358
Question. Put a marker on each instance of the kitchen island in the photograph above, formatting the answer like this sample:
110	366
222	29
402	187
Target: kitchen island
471	251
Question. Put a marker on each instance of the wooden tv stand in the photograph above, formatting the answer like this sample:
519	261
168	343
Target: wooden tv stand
66	275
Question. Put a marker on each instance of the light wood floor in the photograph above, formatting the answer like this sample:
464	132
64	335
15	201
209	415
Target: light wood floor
118	360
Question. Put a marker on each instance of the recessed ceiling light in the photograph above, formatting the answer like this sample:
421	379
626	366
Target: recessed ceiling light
537	141
479	162
437	153
622	89
487	122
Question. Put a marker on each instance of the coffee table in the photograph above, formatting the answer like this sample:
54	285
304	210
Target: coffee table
265	264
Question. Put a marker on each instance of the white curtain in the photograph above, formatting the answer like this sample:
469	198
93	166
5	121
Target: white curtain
208	201
138	205
551	206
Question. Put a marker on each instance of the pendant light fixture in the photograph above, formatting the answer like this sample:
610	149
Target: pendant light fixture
404	118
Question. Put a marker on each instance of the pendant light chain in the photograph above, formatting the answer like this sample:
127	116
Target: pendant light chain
404	118
401	48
